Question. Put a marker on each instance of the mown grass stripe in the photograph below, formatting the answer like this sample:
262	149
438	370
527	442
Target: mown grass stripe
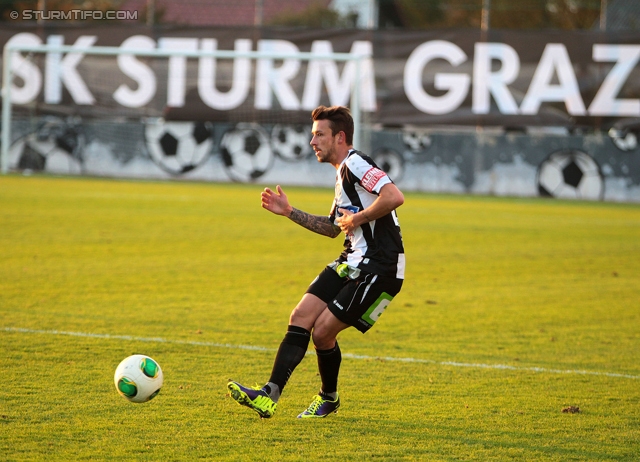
344	355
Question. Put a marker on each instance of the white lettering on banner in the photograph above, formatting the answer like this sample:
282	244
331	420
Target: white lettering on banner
487	83
554	60
339	88
138	71
268	77
27	71
554	79
605	103
176	85
456	85
62	71
207	77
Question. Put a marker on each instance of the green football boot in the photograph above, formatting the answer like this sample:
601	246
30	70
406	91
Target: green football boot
320	407
254	398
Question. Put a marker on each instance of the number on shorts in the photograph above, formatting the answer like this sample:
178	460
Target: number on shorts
375	311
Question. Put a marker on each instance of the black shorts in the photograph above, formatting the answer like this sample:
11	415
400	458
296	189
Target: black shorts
358	302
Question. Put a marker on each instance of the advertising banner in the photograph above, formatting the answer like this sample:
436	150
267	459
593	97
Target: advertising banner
421	93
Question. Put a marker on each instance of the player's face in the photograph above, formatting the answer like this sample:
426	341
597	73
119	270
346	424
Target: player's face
323	141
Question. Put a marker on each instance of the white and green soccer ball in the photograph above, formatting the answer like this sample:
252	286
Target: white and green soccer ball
138	378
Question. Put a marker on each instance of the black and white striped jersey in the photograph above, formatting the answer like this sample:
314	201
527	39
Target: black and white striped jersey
375	247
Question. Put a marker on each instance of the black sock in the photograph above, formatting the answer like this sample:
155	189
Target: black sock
291	351
329	367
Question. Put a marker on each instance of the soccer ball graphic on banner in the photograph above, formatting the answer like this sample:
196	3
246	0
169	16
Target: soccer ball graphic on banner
246	152
625	140
55	146
178	147
291	142
389	161
416	141
570	175
138	378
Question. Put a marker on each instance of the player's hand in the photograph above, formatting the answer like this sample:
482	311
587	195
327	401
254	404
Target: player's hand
346	221
276	201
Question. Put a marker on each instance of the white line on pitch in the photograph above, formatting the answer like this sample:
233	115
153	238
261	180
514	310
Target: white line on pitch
344	355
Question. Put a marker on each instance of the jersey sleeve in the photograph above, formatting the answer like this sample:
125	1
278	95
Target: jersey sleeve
369	176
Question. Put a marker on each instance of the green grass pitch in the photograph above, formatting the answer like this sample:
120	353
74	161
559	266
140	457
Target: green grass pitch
513	310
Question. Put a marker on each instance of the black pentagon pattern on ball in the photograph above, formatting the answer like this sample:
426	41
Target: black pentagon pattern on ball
544	192
226	157
572	174
31	159
178	147
251	144
201	133
54	145
67	141
389	161
169	144
290	142
246	152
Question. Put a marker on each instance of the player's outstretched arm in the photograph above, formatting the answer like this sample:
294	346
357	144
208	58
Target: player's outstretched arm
277	202
317	223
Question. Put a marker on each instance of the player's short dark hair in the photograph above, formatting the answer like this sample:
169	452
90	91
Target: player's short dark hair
339	118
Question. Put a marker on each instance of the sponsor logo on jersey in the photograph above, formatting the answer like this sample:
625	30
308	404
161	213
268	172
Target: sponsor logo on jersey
350	208
371	178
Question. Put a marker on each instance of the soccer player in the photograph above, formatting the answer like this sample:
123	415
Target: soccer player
353	290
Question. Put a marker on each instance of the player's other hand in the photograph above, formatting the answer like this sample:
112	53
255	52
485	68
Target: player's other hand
276	201
345	221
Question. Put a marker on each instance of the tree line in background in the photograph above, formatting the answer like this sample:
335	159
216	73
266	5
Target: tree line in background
401	14
504	14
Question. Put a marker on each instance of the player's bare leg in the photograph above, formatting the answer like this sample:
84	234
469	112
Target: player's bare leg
307	312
